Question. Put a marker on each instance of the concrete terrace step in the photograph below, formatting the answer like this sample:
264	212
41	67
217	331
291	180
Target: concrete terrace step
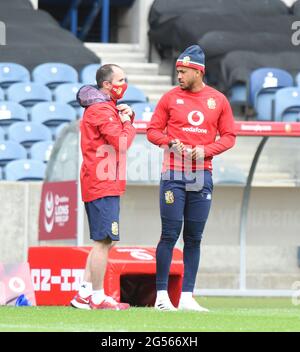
149	79
138	67
154	89
113	57
113	47
133	60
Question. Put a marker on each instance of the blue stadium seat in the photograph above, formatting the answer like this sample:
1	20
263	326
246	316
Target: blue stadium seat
28	133
1	94
52	113
28	94
59	129
88	73
287	104
80	112
66	93
25	170
10	150
41	151
12	73
298	79
11	112
263	106
133	95
238	94
263	84
143	111
2	134
53	73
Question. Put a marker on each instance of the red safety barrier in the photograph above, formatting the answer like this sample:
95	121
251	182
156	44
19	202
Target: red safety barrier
130	277
250	128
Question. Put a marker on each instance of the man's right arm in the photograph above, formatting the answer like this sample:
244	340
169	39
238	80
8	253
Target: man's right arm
156	130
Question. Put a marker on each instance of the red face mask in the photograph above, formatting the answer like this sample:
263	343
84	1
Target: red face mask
118	91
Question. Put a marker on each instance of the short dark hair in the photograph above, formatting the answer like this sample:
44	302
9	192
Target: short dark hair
104	73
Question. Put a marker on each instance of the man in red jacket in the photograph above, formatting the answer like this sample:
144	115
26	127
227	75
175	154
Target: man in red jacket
106	134
185	123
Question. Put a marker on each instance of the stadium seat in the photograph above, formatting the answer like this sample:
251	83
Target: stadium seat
12	73
264	106
41	151
296	8
53	73
59	129
88	74
80	112
1	94
238	94
2	134
263	83
133	95
298	79
66	93
11	112
143	111
287	104
52	113
28	94
10	150
28	133
25	170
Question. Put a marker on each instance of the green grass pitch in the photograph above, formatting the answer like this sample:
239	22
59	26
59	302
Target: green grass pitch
226	314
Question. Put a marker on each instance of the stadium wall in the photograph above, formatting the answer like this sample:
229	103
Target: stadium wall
272	242
18	219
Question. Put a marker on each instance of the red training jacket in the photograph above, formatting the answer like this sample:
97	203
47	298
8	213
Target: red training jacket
195	119
104	142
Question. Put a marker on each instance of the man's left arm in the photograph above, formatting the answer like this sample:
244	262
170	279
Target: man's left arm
226	130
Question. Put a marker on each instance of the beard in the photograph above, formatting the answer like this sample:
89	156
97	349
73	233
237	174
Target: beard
187	86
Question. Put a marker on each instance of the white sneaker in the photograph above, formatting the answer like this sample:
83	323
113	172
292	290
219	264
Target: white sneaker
191	304
164	304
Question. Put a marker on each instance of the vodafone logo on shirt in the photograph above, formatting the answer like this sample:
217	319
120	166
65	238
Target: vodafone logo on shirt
195	118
